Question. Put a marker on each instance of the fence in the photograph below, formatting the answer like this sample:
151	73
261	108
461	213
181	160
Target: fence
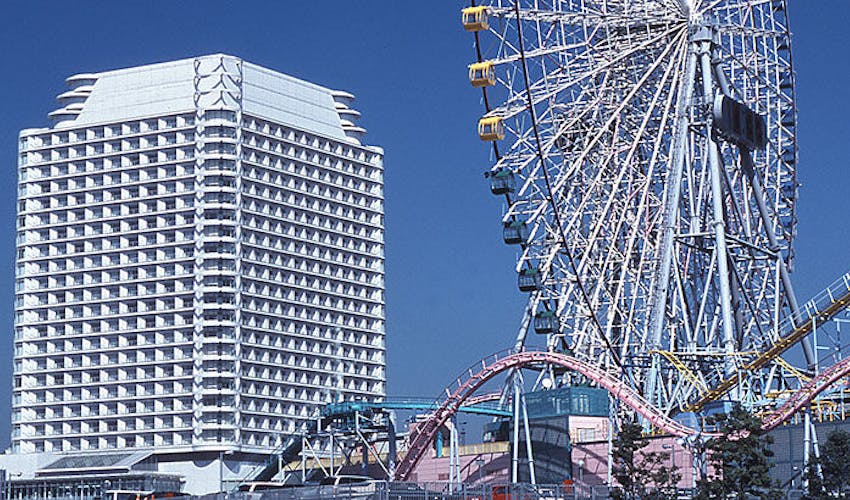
381	490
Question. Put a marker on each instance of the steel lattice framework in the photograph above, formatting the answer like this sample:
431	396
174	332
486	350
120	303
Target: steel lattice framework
655	237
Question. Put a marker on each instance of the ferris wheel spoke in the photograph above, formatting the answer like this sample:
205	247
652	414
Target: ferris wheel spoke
536	53
751	31
557	82
738	4
578	161
612	252
587	16
614	194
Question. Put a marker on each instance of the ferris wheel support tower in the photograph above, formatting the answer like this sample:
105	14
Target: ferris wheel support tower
704	54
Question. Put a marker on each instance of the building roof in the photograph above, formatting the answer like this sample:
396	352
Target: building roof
91	462
210	81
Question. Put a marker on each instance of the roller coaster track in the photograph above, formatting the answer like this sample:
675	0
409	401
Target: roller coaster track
822	308
806	394
423	435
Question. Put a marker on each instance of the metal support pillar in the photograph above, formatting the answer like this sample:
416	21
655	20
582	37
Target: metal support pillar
719	220
809	352
812	433
612	411
303	458
391	448
528	448
333	455
807	446
527	318
784	275
454	455
515	447
672	195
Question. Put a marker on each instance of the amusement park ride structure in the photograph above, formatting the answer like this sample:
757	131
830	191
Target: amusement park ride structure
646	153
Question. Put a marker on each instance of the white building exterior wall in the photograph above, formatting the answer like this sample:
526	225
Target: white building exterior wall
199	261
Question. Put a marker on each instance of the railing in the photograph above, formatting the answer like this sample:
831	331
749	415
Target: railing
485	408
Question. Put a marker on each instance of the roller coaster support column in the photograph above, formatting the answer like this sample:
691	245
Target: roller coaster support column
515	441
368	449
454	472
456	444
520	417
333	454
613	410
529	452
807	446
303	458
391	458
812	434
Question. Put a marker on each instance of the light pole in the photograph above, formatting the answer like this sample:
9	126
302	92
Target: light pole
479	462
221	455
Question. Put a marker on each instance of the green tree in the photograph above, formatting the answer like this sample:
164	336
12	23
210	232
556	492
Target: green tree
641	474
738	459
834	464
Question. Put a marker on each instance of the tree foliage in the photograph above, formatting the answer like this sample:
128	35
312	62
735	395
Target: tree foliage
833	481
641	474
738	459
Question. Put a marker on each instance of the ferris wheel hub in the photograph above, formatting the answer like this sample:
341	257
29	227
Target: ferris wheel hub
688	8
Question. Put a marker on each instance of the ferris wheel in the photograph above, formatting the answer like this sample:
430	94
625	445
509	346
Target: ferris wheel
646	154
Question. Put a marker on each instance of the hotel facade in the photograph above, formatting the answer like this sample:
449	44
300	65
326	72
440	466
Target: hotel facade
199	263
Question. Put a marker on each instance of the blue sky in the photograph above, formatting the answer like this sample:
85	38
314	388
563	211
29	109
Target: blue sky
451	290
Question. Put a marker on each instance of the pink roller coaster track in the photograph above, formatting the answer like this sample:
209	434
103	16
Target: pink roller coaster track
423	435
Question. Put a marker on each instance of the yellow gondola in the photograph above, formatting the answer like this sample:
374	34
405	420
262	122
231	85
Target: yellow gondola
491	128
475	18
482	74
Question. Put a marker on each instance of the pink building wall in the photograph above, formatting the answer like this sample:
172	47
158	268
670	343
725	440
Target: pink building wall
593	458
484	466
491	462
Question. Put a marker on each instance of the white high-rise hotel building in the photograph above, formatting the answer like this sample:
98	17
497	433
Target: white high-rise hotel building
199	261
